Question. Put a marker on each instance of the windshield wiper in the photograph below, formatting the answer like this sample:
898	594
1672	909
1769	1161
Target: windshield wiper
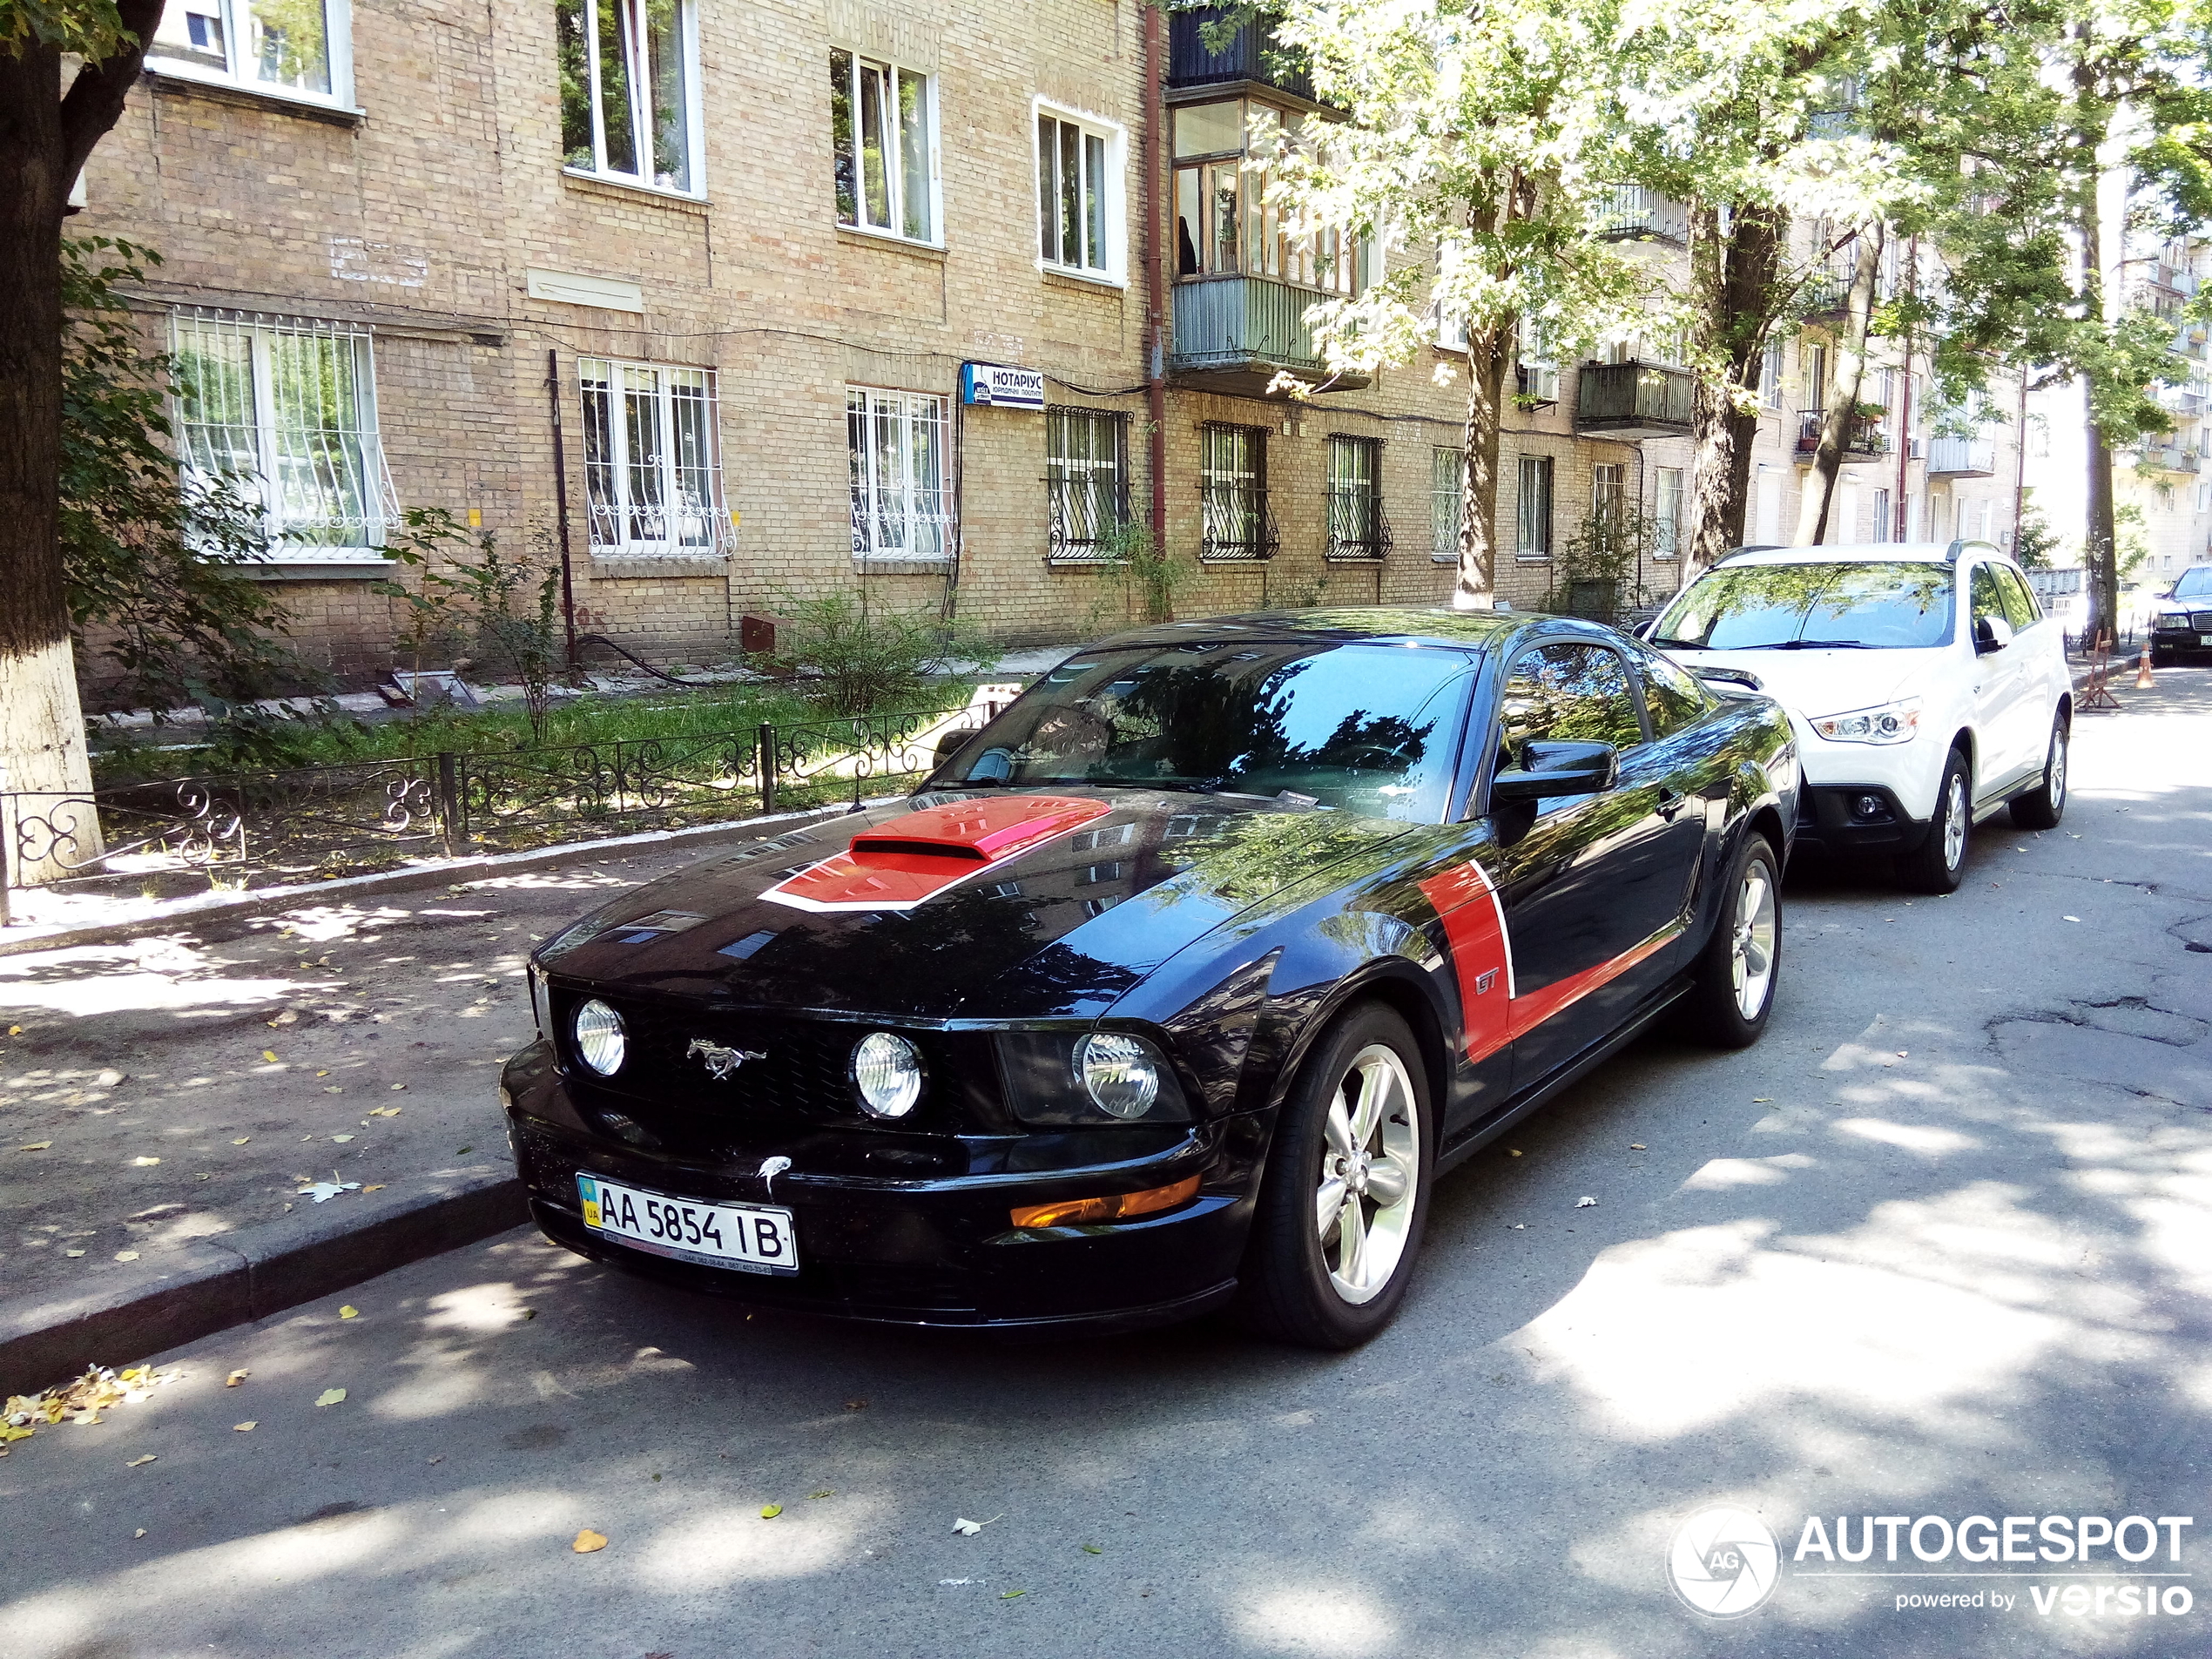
1821	645
1687	644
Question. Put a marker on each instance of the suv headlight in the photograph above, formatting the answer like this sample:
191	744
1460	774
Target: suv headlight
1897	722
1061	1079
2171	621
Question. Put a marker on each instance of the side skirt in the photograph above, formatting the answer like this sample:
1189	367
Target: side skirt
1475	1137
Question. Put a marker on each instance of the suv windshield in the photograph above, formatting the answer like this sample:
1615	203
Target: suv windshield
1368	729
2195	583
1803	607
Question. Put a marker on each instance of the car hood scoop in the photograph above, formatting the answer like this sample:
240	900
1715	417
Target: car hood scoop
898	864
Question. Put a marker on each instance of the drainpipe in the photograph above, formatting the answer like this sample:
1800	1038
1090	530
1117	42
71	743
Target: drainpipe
1156	384
561	502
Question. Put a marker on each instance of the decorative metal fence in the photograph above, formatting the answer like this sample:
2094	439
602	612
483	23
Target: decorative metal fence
245	829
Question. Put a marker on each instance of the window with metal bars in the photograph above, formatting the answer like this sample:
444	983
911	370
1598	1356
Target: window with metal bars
287	405
1446	503
1232	493
1533	510
1357	527
896	444
629	90
883	129
1667	512
1078	190
651	464
298	48
1086	460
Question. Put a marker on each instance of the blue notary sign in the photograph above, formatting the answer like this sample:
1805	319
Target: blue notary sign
998	387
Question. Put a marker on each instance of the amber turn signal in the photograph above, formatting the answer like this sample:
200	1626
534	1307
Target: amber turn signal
1076	1212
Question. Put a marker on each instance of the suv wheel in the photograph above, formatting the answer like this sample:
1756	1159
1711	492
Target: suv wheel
1733	983
2042	806
1941	863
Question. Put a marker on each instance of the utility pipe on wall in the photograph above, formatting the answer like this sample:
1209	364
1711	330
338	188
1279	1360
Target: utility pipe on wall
1156	389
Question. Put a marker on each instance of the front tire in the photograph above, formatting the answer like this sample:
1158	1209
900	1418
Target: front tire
1736	976
2042	806
1345	1197
1939	864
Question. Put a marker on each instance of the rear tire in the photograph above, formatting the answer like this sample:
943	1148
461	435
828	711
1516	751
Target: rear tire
1740	968
2042	806
1345	1197
1939	865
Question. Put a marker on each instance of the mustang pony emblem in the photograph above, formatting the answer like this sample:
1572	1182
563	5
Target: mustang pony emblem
721	1063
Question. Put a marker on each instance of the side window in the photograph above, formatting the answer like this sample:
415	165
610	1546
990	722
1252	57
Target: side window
1987	600
2021	609
1569	692
1671	697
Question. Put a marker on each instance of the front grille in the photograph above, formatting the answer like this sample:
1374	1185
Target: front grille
2202	621
803	1075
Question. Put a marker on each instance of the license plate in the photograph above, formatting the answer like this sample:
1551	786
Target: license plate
748	1237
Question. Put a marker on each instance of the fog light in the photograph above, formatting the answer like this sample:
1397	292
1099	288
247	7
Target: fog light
599	1039
886	1070
1870	807
1075	1212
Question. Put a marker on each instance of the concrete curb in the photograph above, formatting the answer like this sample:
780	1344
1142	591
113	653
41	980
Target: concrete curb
197	912
213	1285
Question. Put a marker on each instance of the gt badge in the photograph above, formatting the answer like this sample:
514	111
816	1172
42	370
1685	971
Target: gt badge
721	1063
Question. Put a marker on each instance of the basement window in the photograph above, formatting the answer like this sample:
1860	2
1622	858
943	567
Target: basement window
296	48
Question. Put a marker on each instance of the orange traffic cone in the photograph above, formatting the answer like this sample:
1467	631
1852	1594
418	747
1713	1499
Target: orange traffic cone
2143	681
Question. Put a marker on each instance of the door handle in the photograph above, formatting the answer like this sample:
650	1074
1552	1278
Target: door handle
1671	801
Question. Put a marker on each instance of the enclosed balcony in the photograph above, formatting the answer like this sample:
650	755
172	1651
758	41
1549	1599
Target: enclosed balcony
1962	457
1863	439
2165	457
1248	56
1631	401
1233	334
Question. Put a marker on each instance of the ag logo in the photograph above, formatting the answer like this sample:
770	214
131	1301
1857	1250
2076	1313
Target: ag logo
1724	1562
721	1063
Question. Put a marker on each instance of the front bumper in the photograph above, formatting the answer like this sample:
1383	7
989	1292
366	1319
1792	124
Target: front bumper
1857	817
936	1250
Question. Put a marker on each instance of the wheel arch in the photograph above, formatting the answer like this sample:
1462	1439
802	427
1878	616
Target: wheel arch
1396	984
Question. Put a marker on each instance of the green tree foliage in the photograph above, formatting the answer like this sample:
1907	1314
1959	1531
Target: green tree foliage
855	658
155	572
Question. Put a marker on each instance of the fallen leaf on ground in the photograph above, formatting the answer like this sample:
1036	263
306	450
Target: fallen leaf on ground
34	1146
331	1397
1586	1204
397	1086
141	1533
350	1311
139	1462
241	1140
856	1405
1007	1596
824	1493
385	1111
322	1074
126	1255
143	1162
323	1191
1093	1549
333	1089
288	1017
377	1187
1635	1146
967	1528
244	1428
2069	917
269	1055
1512	1152
73	1252
15	1030
111	1078
341	1139
236	1377
770	1511
587	1541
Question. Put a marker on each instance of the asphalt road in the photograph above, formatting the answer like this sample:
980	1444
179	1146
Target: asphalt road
1941	1246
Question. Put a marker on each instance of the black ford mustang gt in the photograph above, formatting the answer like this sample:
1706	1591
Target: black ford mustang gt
1181	981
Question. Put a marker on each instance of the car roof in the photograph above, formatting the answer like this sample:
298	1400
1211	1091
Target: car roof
1866	553
1460	629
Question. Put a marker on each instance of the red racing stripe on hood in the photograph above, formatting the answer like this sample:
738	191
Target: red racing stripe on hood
904	860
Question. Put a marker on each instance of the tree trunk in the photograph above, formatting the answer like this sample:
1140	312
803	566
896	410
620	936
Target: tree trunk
42	735
1732	275
1844	386
2099	540
1490	355
44	140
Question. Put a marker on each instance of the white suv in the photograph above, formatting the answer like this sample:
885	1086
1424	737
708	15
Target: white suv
1911	727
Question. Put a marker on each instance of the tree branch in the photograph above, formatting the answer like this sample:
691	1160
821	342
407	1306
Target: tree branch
94	102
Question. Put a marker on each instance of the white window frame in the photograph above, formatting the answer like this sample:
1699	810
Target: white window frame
1526	522
920	509
1447	502
615	510
365	478
1114	172
894	164
238	69
641	107
1670	493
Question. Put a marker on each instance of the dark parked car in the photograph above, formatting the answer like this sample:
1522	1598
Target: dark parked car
1179	982
2181	623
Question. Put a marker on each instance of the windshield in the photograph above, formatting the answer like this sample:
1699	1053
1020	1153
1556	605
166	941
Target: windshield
2195	583
1368	729
1805	607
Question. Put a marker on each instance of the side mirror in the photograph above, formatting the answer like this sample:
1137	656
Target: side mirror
1548	769
1991	633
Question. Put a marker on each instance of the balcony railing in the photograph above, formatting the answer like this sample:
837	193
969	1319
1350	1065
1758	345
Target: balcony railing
1249	54
2165	457
1634	401
1644	214
1961	457
1082	512
1863	439
1234	333
1235	522
1357	527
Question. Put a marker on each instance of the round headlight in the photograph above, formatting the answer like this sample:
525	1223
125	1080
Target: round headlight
887	1070
1120	1072
599	1041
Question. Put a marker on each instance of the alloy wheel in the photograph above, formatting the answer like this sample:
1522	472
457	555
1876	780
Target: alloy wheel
1954	821
1370	1174
2054	784
1751	962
